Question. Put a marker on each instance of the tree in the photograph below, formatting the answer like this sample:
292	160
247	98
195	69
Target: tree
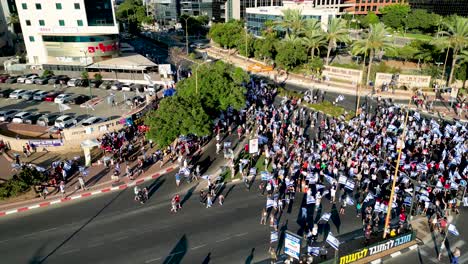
247	40
176	55
394	15
47	73
369	19
195	24
314	38
84	75
134	14
292	54
98	77
336	32
293	22
227	34
265	47
456	34
421	20
374	41
407	52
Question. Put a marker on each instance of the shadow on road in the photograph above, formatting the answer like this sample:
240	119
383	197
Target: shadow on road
36	258
188	194
178	252
43	260
250	257
207	259
155	186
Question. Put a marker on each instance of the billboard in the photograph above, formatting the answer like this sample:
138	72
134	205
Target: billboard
344	74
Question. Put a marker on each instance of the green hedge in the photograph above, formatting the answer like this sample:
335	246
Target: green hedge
18	184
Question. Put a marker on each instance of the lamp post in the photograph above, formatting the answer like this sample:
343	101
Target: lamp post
186	34
196	74
86	64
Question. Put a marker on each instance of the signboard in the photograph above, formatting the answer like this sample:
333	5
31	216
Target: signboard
349	75
46	143
378	248
253	146
409	81
273	236
292	245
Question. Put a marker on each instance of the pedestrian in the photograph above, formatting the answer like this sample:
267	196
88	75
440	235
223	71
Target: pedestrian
177	179
343	207
221	199
82	182
263	219
455	256
25	152
209	201
358	209
62	188
202	197
273	255
218	147
17	159
28	148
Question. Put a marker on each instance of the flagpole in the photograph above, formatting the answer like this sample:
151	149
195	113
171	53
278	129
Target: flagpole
390	202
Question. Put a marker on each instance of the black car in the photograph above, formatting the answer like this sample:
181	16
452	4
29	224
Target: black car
105	85
53	80
32	120
43	80
80	99
63	79
5	93
11	79
83	83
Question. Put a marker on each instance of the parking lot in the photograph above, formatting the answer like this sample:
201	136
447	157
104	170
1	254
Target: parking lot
102	101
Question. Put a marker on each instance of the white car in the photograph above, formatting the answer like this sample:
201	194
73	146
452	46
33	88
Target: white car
7	114
39	96
20	117
17	94
93	120
63	98
29	95
64	121
31	79
23	78
126	87
72	82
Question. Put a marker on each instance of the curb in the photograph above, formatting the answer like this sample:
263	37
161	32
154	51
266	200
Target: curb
395	254
88	194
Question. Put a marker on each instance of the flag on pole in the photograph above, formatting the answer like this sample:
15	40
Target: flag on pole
148	79
349	200
333	241
325	217
453	230
313	250
273	236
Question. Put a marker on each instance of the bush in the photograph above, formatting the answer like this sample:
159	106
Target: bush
27	178
98	77
47	73
85	75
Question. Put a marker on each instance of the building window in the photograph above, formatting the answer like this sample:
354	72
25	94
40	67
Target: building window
77	5
31	38
38	6
28	22
41	23
374	8
358	1
362	8
24	6
61	23
80	23
58	6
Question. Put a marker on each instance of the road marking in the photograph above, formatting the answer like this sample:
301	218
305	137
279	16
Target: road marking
152	260
56	202
120	238
33	206
75	197
224	239
11	212
396	254
95	192
70	251
241	234
197	247
96	244
413	247
377	261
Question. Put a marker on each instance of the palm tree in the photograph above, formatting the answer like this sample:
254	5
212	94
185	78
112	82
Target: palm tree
292	39
463	57
293	22
314	37
374	41
457	35
336	32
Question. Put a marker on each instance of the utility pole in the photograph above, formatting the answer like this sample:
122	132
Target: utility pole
186	35
86	64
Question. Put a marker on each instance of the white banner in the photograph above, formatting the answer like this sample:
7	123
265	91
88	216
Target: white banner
253	146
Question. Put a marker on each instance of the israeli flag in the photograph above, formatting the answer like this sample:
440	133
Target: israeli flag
206	177
329	179
342	179
369	197
349	200
350	185
453	230
417	116
273	236
333	241
270	203
325	217
310	199
408	200
313	250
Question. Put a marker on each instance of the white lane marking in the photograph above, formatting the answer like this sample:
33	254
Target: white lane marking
396	254
241	234
413	247
120	238
152	260
70	251
377	261
197	247
224	239
11	212
95	244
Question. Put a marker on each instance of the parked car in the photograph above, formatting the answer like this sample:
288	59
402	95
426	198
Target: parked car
51	96
31	79
105	85
40	96
93	120
47	119
43	80
64	121
72	82
80	99
116	86
11	79
29	94
32	120
16	94
128	87
22	78
95	83
138	88
7	115
5	93
53	80
63	98
4	77
82	82
153	88
20	117
63	79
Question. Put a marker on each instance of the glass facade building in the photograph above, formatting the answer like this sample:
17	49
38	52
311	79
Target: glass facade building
99	12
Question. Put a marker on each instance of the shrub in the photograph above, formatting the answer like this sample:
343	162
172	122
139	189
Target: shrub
22	182
98	77
47	73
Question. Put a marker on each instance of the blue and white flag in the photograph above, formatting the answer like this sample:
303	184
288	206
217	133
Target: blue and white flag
329	179
342	179
325	217
266	176
453	230
369	197
333	241
408	200
349	200
270	203
310	199
273	236
313	250
350	185
206	177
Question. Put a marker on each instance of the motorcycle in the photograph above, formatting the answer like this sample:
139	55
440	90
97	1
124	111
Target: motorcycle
142	196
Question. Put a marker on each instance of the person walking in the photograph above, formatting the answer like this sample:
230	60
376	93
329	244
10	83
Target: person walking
62	188
209	201
221	199
263	219
82	182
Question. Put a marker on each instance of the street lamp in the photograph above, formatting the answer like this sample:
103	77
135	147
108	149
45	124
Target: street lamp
86	64
186	34
196	73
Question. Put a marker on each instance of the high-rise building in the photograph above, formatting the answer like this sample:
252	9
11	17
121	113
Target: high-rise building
74	33
166	12
442	7
8	33
362	7
236	9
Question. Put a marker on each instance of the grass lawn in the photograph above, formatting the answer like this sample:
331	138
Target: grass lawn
415	36
330	109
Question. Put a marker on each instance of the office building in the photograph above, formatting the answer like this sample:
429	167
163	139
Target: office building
68	33
362	7
8	33
442	7
256	17
236	9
